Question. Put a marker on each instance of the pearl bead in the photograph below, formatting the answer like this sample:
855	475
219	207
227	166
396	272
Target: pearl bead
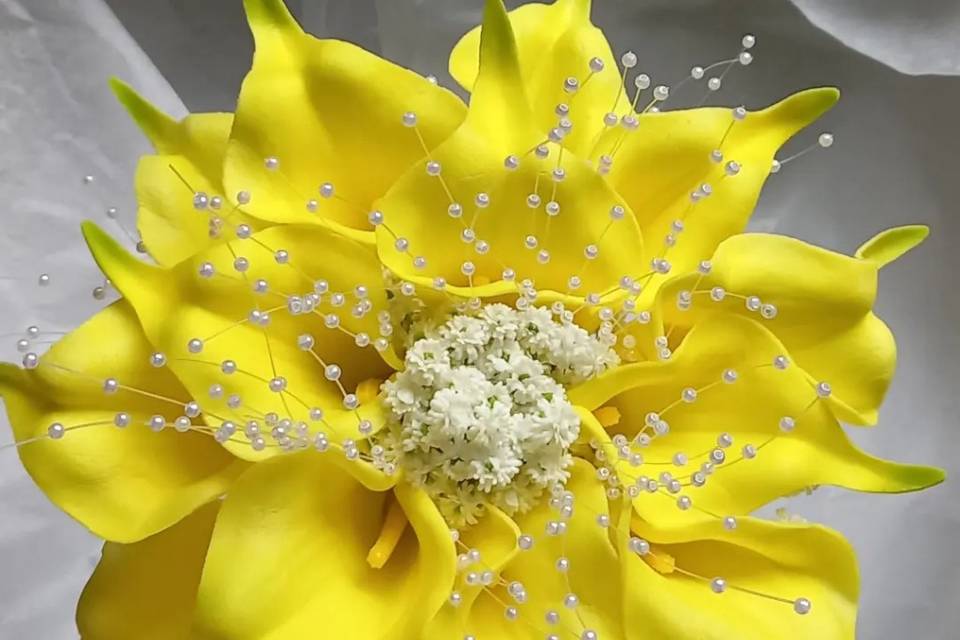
787	424
802	606
56	431
825	140
629	59
200	201
332	372
718	585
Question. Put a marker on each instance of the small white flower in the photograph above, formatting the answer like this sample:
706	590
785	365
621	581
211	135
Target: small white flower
480	412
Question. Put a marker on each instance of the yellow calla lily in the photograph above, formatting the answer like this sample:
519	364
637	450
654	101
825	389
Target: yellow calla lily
462	391
553	41
814	318
188	166
200	322
122	482
791	430
312	512
346	104
672	152
489	171
494	537
137	586
798	564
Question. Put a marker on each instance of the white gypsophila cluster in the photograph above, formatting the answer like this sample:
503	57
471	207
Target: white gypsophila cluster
480	412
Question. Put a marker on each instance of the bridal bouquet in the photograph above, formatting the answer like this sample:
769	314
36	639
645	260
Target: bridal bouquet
406	367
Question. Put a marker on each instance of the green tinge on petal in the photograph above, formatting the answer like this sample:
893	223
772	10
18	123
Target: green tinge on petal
499	103
887	246
347	104
554	42
816	452
189	160
176	306
656	167
473	162
829	330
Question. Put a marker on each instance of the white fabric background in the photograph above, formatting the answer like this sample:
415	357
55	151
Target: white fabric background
894	162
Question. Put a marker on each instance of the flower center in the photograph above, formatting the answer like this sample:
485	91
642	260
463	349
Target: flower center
480	414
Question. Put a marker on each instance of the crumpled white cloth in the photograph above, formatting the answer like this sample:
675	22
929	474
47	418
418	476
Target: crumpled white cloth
894	162
915	37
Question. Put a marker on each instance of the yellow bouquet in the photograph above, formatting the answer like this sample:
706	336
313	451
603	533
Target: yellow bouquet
408	368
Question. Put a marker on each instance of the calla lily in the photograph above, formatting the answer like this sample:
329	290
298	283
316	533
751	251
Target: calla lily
409	368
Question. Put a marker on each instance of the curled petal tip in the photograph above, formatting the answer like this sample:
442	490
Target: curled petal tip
155	124
263	15
888	245
128	273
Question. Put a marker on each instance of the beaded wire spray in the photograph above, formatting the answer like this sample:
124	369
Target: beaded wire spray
307	301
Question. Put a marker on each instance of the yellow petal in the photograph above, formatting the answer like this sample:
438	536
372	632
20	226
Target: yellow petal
887	246
150	586
123	484
816	452
310	511
495	537
178	305
787	561
656	167
189	159
347	105
824	304
472	162
555	42
592	564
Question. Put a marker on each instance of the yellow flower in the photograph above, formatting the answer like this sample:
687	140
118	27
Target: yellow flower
414	369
